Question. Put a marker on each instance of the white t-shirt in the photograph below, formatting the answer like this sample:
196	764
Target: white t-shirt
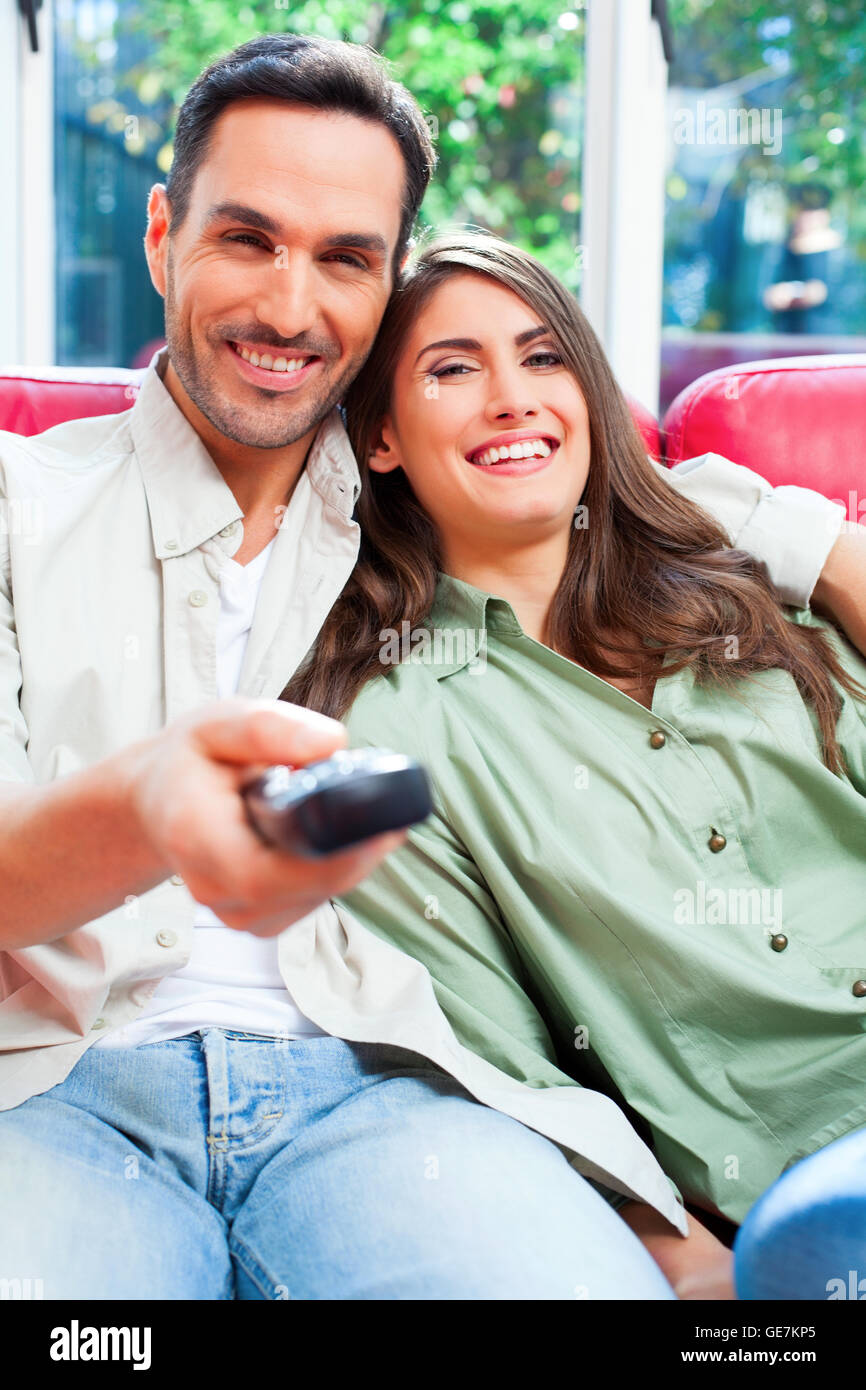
232	978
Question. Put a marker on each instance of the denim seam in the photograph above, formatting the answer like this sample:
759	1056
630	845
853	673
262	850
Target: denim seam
251	1267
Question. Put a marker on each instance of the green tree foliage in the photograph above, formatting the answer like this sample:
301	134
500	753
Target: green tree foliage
501	86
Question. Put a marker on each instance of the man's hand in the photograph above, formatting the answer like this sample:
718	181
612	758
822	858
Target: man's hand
185	794
840	592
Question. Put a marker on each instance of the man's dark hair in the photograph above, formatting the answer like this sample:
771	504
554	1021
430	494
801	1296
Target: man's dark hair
304	70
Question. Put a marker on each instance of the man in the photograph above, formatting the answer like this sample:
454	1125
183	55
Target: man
197	1102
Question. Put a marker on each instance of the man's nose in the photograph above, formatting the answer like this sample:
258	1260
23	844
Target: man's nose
287	297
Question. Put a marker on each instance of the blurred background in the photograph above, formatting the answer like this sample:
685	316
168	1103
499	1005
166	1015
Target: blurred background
691	170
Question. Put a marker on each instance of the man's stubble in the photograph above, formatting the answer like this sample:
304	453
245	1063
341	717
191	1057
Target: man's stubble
276	422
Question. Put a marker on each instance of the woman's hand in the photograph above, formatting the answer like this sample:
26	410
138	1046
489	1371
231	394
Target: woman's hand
697	1266
840	592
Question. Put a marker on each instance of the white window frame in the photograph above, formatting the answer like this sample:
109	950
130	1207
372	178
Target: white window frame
622	230
27	259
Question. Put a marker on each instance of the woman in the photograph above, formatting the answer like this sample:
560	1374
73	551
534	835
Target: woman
650	778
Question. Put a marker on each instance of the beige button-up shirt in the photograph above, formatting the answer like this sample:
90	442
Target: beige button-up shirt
113	531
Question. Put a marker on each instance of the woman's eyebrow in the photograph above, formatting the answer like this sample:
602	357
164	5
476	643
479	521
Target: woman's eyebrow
471	345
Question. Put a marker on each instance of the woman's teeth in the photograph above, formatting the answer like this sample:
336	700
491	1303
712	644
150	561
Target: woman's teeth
526	448
272	364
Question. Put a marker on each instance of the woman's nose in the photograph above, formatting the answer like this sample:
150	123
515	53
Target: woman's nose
511	396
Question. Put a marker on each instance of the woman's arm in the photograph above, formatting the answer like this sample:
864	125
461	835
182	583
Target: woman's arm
840	592
699	1267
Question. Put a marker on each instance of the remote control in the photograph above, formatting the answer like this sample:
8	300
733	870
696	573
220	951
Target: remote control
336	803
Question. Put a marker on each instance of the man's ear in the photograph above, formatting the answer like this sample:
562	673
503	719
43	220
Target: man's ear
384	456
156	236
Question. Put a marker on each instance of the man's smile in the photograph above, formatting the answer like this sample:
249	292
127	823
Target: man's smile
276	370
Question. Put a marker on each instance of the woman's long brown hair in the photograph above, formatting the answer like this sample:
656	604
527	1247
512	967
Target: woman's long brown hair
651	577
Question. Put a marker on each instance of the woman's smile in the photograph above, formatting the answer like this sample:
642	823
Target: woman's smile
514	454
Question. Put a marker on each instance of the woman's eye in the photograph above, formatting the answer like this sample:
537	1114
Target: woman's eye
455	367
553	355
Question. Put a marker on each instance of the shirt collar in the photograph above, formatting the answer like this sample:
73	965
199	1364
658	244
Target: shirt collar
469	614
460	618
188	499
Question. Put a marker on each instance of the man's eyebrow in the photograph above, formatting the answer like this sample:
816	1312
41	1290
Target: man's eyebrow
252	217
362	241
471	345
241	212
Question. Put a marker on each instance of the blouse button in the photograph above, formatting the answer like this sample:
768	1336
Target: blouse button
166	937
198	598
779	942
657	739
859	988
716	842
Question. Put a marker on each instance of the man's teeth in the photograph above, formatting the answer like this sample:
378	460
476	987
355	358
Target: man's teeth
273	364
524	449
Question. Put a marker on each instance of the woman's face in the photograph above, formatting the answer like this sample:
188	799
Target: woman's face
452	403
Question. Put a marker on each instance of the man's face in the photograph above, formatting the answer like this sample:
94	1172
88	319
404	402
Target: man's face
285	254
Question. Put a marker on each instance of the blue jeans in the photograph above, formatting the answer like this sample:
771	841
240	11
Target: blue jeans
805	1237
224	1165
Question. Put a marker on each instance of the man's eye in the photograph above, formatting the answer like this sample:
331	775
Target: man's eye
246	239
352	260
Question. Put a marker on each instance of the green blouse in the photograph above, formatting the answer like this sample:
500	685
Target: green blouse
666	905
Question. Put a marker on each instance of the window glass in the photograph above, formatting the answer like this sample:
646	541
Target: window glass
501	84
765	233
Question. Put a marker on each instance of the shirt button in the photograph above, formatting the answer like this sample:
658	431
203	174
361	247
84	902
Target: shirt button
779	942
177	878
657	739
859	988
166	937
171	545
98	1023
198	598
230	529
716	842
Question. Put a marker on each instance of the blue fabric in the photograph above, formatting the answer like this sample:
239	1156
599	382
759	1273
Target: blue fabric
805	1238
224	1165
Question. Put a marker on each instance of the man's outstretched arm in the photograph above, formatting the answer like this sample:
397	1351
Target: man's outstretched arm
73	849
812	553
840	591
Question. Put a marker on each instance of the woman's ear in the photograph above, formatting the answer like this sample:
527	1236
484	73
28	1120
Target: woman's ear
384	457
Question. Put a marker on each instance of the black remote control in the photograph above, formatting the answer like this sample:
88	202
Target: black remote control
336	803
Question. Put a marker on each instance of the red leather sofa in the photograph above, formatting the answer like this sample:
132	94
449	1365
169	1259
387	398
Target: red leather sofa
792	419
